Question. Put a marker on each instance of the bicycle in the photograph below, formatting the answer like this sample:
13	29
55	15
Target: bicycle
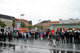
57	42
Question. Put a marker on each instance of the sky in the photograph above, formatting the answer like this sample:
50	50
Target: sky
36	10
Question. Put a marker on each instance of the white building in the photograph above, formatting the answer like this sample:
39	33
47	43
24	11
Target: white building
8	20
70	21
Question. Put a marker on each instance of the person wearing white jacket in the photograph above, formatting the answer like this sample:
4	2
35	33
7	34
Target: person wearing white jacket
24	36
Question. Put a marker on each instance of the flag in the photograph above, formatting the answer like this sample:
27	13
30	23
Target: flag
21	31
73	29
22	15
52	31
41	35
64	29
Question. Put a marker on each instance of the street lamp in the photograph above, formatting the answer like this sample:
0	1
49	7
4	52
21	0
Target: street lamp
20	18
39	25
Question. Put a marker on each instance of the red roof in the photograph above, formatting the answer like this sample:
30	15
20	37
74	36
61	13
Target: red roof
53	22
18	20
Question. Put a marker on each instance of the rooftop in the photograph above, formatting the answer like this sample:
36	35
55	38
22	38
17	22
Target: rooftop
21	20
53	21
7	17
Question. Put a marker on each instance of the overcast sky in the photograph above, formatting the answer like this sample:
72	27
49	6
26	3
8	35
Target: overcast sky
36	10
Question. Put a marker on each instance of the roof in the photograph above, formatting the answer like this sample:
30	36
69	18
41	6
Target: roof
48	21
64	24
45	21
53	22
18	20
6	17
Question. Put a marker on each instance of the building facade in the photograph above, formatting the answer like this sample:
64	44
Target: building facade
19	21
8	20
46	24
67	26
70	21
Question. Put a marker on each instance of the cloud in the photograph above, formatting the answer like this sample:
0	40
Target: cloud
41	9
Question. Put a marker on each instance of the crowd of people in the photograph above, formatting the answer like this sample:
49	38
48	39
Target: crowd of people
68	36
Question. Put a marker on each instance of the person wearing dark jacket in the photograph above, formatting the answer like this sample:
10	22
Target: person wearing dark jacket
76	37
62	37
71	35
79	38
4	37
9	36
36	35
66	36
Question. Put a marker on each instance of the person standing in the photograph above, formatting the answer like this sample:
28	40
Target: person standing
25	36
47	33
27	33
63	37
14	35
17	35
79	38
9	36
35	35
41	36
54	38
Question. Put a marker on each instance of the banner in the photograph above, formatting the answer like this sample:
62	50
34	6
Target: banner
52	31
73	29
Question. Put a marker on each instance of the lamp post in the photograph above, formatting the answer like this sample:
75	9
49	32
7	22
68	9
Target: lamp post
39	25
21	19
